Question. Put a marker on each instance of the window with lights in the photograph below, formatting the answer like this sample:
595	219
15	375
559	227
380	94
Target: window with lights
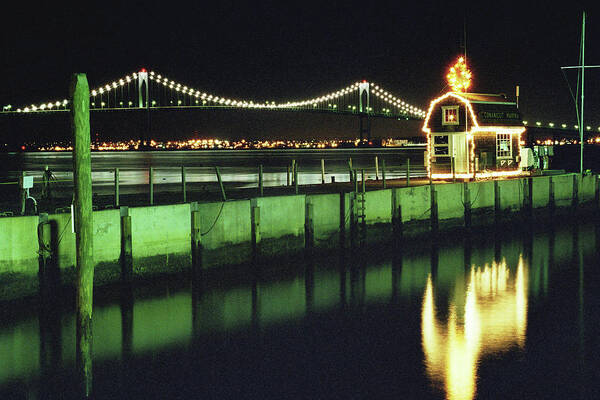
450	115
503	147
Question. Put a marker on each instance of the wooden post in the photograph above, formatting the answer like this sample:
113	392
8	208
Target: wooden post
116	187
151	184
183	183
260	181
293	170
408	173
296	178
551	200
223	196
467	201
84	260
255	221
45	232
126	246
383	173
196	238
22	193
309	229
351	172
497	205
376	168
288	175
434	210
322	170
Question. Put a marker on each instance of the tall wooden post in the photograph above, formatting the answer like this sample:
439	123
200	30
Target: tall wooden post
183	182
151	184
322	170
260	181
82	180
408	173
117	188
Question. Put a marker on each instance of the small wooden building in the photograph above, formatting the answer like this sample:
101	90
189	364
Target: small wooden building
472	134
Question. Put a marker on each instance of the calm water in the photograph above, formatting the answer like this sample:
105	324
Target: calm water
506	317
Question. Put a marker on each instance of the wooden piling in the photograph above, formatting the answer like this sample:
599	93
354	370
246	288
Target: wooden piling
196	238
183	184
309	228
322	170
384	185
288	175
151	184
376	168
116	187
408	173
296	178
260	181
84	260
126	246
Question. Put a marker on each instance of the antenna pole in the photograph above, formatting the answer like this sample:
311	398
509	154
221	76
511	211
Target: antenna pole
582	87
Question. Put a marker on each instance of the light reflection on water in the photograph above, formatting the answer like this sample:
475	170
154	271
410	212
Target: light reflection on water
493	318
465	303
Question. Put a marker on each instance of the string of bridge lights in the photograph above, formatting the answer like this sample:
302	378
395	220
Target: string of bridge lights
205	98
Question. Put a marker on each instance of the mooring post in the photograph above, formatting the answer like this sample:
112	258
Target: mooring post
309	229
183	183
296	178
467	202
223	196
116	187
434	210
84	260
376	168
322	170
255	221
383	174
497	205
196	236
23	193
551	201
151	184
260	180
44	239
126	246
408	173
342	220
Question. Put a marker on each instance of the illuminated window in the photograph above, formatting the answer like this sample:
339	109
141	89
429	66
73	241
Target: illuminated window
450	115
503	147
440	145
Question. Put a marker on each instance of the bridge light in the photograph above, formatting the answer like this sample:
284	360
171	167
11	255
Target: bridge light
57	103
538	123
153	102
564	125
121	103
178	102
551	124
576	126
588	128
130	103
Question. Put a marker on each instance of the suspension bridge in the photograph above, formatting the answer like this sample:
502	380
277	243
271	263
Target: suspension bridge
150	90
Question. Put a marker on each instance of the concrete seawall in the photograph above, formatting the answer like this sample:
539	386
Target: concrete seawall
161	239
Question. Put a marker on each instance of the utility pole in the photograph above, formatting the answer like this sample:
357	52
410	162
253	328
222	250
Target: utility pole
83	222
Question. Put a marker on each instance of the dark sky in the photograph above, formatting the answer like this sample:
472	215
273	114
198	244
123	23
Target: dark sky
281	51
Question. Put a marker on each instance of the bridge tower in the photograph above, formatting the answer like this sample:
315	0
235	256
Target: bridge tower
143	85
144	88
364	89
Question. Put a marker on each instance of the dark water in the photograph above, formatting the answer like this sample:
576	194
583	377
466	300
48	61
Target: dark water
511	316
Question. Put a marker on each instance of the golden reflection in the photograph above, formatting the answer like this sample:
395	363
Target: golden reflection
494	319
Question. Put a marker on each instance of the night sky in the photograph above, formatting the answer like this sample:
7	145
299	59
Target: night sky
280	51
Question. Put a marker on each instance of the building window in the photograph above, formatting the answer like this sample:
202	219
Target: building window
450	115
440	145
503	147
